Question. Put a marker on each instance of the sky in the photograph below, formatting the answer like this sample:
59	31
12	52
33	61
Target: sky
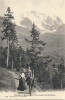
54	7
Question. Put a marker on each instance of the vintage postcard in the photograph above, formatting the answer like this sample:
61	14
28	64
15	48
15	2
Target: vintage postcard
32	49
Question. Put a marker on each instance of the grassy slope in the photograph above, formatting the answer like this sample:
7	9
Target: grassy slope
6	81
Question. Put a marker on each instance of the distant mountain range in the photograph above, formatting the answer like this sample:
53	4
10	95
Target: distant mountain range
52	31
46	23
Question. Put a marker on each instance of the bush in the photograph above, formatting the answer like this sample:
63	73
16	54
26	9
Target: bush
43	77
63	80
56	81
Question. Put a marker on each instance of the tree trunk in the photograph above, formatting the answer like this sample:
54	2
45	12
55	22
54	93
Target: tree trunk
7	53
12	62
61	81
61	84
33	73
20	60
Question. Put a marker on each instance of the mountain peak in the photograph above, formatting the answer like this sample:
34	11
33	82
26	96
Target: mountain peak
45	23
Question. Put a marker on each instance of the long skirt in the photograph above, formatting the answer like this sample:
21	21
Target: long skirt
22	85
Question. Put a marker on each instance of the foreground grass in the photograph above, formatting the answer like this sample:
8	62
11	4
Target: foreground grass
6	81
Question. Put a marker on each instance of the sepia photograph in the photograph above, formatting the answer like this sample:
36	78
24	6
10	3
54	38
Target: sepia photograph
32	49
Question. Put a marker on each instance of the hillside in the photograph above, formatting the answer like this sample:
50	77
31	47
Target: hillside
6	81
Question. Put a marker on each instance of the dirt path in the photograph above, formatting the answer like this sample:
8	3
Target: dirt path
16	79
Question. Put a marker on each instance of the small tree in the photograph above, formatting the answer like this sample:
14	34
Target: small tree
9	31
12	54
3	56
61	71
21	53
37	46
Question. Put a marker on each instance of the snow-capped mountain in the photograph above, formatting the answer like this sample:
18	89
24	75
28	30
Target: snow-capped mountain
45	23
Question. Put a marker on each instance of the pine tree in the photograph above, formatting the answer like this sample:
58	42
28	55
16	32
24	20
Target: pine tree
37	46
9	31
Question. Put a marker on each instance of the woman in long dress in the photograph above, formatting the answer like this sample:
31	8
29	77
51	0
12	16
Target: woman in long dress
22	85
